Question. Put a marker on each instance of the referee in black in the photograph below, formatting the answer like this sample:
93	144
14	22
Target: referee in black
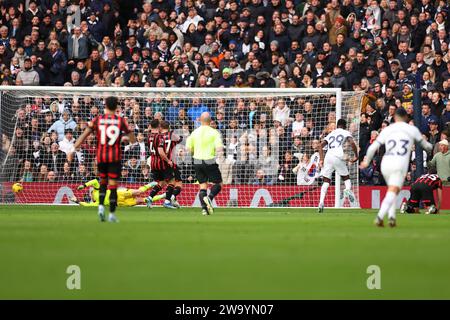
204	143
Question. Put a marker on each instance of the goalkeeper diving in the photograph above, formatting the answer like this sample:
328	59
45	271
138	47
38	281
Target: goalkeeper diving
125	197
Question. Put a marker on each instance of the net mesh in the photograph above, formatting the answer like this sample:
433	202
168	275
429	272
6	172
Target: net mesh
271	141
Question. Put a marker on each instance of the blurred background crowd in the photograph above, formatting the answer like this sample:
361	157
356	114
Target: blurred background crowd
380	48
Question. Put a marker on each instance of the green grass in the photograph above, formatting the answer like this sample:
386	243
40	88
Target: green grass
234	254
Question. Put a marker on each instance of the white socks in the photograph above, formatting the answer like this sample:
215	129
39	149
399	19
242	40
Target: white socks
388	204
391	212
323	192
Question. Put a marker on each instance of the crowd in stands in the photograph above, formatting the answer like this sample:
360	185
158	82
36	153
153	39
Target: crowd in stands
383	49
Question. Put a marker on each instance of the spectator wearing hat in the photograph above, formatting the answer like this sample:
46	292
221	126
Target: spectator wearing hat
264	80
33	11
395	67
192	18
441	161
335	27
407	96
371	76
226	80
433	133
28	76
235	66
95	27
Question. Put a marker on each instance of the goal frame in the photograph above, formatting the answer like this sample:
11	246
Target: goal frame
195	91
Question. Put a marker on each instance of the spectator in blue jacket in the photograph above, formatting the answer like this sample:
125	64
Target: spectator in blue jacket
64	123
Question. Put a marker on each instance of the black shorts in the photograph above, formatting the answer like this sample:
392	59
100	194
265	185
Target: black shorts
207	173
163	175
111	170
421	192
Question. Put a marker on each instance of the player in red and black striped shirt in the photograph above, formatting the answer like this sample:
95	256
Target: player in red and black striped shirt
109	129
167	142
155	161
161	144
422	190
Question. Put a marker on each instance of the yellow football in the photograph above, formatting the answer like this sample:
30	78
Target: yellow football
17	187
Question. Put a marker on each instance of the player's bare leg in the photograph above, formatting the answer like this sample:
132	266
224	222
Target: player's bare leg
388	202
112	201
101	199
323	194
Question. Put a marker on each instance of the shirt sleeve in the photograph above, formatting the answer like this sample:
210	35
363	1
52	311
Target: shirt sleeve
419	139
381	139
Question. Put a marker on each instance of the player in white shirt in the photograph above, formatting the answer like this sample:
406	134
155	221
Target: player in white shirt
398	139
334	161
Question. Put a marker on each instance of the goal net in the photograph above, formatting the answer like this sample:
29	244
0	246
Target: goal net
271	139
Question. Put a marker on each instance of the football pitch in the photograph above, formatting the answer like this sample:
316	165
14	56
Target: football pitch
234	254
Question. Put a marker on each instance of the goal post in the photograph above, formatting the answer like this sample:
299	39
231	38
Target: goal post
271	139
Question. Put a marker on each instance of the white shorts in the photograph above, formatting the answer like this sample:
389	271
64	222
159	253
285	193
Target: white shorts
331	164
394	175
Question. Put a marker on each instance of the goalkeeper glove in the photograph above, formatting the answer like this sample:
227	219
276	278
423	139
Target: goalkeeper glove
81	187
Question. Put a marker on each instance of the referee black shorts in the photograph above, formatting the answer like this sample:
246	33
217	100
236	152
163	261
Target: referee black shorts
207	172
